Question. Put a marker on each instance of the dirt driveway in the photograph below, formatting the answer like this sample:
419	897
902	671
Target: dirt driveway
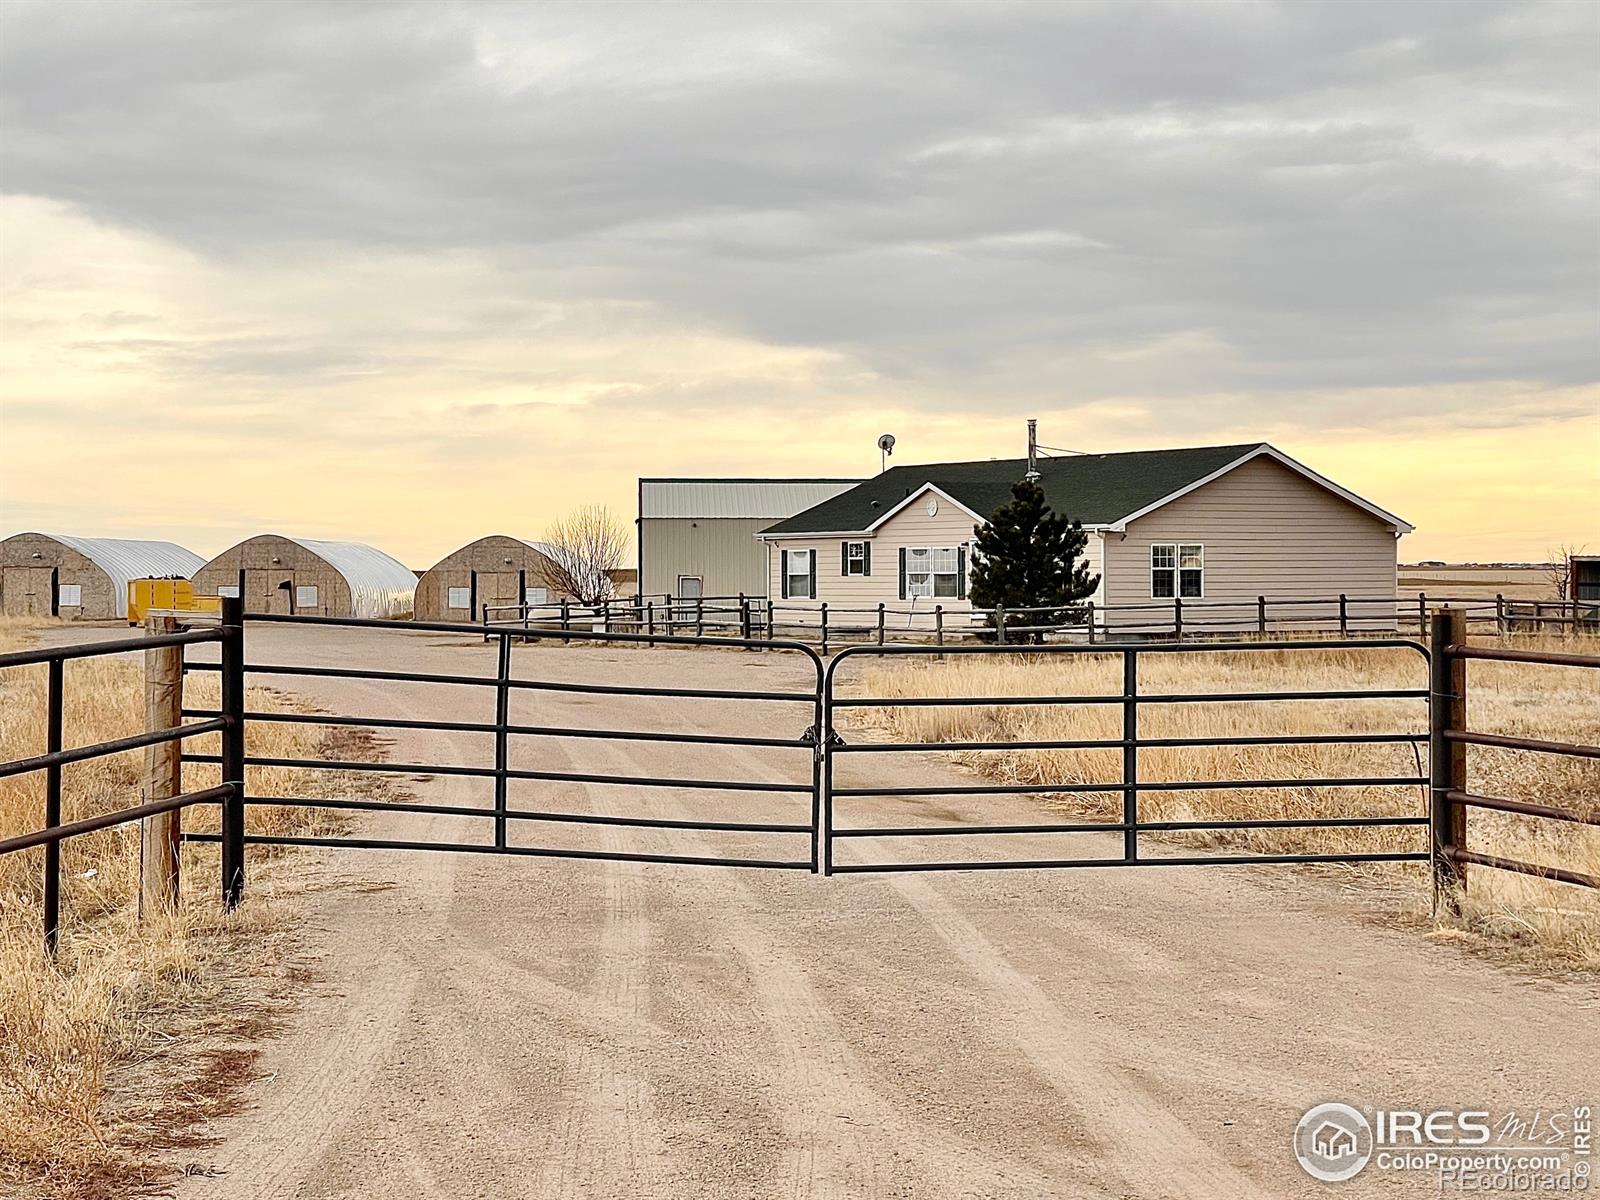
488	1027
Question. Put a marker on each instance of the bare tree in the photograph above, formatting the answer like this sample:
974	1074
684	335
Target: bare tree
1559	572
584	547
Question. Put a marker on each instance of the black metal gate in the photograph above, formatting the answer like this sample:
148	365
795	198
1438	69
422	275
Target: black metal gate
820	748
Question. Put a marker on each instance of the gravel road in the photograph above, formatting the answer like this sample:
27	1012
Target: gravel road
522	1027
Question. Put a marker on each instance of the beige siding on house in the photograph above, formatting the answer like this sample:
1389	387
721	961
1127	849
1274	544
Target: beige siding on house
911	527
1267	531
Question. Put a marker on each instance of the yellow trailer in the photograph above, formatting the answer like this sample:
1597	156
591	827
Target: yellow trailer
177	595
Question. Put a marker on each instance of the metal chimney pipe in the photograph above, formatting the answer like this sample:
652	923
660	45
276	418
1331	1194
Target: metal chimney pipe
1033	451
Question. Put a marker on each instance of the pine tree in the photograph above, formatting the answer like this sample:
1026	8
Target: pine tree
1028	557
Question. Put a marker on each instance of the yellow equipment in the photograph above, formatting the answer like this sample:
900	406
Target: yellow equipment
177	595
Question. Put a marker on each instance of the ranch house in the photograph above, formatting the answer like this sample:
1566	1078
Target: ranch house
1215	528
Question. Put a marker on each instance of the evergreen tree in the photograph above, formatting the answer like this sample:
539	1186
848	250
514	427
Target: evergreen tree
1029	557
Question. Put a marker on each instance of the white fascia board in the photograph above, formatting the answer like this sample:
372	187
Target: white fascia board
870	530
1272	452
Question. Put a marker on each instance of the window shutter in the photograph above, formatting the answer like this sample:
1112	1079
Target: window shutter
961	573
866	558
813	580
844	558
783	571
902	572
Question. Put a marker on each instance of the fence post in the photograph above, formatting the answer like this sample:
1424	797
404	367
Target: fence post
880	622
650	621
232	706
1090	622
699	616
1344	616
1261	614
160	835
52	807
502	718
824	627
938	624
1130	754
566	621
1000	622
1177	617
1422	614
1447	760
1499	615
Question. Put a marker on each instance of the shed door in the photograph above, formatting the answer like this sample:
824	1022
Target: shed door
265	591
496	587
26	591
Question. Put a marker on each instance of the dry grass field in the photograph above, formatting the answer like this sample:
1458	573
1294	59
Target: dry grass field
1468	581
1551	923
104	1054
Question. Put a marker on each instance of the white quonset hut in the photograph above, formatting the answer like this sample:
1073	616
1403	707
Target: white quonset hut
278	574
697	537
57	575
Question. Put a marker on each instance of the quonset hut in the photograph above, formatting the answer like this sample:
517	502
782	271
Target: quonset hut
278	574
494	570
56	575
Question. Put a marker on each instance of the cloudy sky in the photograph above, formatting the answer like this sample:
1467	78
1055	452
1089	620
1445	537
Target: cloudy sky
415	273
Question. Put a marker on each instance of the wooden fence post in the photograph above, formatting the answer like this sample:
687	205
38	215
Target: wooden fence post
1261	614
1447	760
160	836
1177	617
824	627
938	626
1344	616
1089	623
1499	614
880	622
1000	622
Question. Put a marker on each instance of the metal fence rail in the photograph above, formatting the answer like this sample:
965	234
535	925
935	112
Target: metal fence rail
1128	783
502	729
1450	737
53	832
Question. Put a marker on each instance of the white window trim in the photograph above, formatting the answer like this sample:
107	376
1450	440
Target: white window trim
1177	570
806	575
449	600
852	557
933	587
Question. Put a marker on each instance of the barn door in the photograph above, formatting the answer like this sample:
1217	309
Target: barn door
28	592
497	587
269	591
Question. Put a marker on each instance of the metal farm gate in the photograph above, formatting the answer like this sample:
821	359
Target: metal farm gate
818	792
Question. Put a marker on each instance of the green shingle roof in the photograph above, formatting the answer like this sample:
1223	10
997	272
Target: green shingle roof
1097	489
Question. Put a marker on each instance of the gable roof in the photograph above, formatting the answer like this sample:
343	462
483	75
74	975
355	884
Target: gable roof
1096	489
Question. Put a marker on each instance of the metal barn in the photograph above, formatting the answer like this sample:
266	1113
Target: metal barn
697	537
277	574
493	570
55	575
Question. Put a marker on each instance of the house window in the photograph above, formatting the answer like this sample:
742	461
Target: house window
459	597
933	573
230	590
1177	569
305	596
534	595
857	559
798	574
71	595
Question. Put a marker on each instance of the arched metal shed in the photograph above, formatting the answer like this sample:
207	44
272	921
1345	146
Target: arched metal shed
55	574
492	570
279	574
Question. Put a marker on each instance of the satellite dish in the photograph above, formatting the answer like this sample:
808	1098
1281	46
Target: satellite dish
886	443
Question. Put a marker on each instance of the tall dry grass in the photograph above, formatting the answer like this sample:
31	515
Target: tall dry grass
122	997
1555	922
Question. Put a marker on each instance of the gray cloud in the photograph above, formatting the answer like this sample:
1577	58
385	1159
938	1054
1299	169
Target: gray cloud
985	204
